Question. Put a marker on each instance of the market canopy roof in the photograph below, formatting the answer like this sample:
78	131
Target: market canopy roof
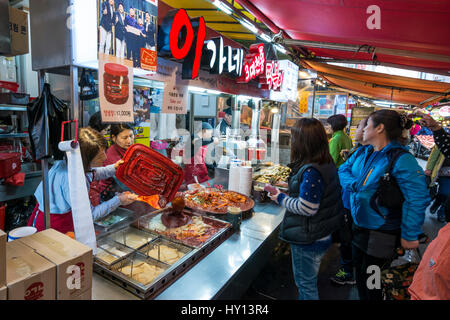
218	20
412	35
383	86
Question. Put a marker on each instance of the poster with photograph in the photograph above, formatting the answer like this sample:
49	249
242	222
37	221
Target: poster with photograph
143	105
128	31
115	92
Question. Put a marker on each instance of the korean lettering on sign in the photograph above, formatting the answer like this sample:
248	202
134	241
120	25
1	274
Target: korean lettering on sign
273	78
222	59
254	63
191	50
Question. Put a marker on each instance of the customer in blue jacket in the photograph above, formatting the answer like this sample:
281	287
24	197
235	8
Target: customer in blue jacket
313	206
376	238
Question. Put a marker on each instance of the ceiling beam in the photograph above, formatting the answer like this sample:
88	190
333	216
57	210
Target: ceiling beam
238	32
374	85
379	63
368	49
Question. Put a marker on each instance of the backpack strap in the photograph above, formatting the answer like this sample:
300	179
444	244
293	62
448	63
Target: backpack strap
393	155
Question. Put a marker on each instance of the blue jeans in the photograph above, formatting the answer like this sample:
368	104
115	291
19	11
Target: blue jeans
305	264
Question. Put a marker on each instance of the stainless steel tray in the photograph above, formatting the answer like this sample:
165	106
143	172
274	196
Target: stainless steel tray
161	241
103	245
121	237
143	224
172	272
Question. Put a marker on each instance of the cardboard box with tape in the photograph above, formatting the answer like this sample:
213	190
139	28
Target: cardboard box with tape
73	260
29	276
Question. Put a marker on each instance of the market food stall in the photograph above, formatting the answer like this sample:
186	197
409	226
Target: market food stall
150	254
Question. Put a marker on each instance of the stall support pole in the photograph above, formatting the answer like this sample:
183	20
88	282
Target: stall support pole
75	98
314	98
44	161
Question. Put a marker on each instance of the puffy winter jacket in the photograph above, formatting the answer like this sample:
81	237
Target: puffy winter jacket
361	180
354	165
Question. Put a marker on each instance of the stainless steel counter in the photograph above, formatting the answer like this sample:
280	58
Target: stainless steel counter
226	272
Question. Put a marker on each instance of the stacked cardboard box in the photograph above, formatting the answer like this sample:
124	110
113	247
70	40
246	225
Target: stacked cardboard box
29	276
73	260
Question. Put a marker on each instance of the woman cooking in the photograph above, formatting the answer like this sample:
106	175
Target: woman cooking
92	147
196	169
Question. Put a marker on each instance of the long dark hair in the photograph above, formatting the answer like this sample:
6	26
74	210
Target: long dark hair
309	143
394	123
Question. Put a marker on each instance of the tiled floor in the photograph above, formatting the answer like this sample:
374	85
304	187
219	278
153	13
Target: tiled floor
276	281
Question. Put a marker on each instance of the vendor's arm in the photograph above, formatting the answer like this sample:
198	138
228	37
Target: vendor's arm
105	208
311	191
106	172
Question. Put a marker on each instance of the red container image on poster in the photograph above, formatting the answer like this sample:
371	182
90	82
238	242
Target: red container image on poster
115	83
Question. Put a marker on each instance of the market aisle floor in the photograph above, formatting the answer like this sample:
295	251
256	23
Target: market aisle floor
276	281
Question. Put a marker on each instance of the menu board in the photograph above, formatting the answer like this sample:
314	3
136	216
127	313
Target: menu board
359	114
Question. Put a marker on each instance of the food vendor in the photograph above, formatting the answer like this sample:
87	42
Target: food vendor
225	125
122	137
92	147
196	166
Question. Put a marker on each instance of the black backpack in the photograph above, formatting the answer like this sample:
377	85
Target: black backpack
388	194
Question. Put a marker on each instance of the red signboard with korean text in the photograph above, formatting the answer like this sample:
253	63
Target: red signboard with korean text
254	63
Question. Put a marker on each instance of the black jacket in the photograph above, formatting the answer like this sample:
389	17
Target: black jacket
300	229
120	26
149	32
106	20
442	140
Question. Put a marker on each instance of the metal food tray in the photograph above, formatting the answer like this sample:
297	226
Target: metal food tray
116	236
172	272
107	241
162	241
143	223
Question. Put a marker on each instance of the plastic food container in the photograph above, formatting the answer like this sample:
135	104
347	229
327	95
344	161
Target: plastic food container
116	83
148	172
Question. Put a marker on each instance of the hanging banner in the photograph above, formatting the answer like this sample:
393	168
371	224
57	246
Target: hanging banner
303	105
289	86
175	97
115	83
128	31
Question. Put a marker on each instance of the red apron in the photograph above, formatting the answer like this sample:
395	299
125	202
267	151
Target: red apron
198	169
60	222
